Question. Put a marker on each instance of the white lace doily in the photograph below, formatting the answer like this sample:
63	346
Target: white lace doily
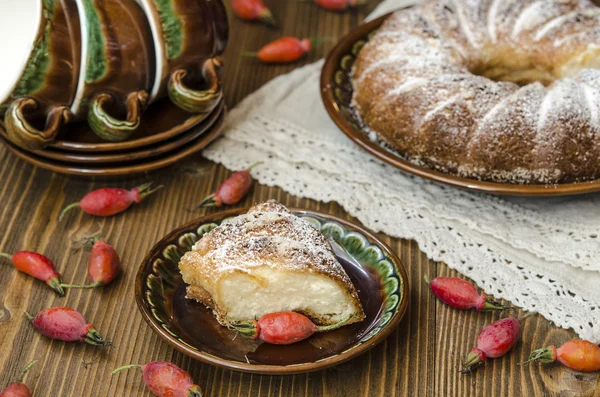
541	254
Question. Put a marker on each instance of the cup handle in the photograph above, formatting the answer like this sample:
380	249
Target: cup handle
110	128
22	133
197	101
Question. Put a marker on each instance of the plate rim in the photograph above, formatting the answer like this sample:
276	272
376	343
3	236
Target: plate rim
115	170
361	139
173	131
142	153
262	368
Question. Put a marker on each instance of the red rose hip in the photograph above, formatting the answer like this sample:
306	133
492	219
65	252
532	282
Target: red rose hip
110	201
462	295
104	265
18	388
579	355
253	10
283	50
38	266
66	324
166	379
232	191
338	5
494	341
283	328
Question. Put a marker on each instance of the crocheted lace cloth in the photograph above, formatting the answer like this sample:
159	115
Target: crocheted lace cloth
542	254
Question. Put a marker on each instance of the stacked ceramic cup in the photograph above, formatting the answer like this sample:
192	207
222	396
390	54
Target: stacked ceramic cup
110	87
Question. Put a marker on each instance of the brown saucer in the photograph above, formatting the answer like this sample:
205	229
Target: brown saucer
336	93
129	156
122	169
161	121
190	327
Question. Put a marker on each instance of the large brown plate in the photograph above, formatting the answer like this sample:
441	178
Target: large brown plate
336	93
122	169
130	156
190	327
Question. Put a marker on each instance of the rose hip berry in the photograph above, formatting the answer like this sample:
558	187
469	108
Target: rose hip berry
18	388
283	50
253	10
166	379
579	355
461	294
283	328
338	5
232	191
63	323
110	201
104	265
493	341
38	266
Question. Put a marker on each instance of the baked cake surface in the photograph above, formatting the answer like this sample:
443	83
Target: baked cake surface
500	90
269	260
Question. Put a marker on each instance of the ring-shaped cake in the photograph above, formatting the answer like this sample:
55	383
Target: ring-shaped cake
498	90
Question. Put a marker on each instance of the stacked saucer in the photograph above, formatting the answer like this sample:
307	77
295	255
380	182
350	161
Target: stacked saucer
166	136
111	87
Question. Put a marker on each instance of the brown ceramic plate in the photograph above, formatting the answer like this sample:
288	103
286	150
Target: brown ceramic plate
129	156
121	169
161	121
336	93
190	327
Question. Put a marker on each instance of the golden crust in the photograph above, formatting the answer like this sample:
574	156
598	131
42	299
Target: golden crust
268	236
428	86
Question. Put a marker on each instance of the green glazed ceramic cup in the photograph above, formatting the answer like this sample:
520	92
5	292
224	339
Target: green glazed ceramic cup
40	46
117	67
188	36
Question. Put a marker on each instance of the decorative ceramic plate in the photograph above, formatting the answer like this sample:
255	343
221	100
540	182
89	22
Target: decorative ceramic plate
122	169
189	326
135	155
336	93
161	121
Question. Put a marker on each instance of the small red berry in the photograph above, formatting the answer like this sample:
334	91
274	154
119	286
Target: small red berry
38	266
18	388
104	265
110	201
283	328
494	341
232	191
253	10
461	294
339	5
166	379
283	50
579	355
63	323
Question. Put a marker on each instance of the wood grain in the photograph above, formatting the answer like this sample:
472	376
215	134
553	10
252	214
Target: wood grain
421	358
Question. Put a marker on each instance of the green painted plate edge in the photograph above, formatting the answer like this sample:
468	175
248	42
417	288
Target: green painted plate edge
359	242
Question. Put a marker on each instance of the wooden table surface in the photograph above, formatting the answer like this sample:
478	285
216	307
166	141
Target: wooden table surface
420	358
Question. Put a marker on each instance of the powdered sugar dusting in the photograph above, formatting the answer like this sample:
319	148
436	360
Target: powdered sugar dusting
553	24
268	235
408	86
591	98
545	108
491	22
529	18
440	107
464	23
417	93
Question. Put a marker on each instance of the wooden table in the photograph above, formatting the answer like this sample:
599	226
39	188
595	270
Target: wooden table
421	358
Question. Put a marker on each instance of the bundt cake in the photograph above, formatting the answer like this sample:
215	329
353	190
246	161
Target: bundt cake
268	261
498	90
